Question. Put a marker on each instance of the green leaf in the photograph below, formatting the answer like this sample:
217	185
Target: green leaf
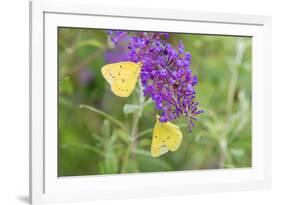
113	138
84	147
145	132
97	137
238	153
147	102
142	152
130	108
111	161
144	142
66	86
149	164
110	118
101	168
131	167
106	129
90	42
63	101
123	136
61	82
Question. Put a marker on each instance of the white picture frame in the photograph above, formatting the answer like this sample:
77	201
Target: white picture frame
46	186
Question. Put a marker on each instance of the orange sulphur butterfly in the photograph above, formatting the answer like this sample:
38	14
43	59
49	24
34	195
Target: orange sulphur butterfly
166	137
122	77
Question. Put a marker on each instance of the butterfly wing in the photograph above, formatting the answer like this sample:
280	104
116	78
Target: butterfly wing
110	72
122	77
126	79
166	136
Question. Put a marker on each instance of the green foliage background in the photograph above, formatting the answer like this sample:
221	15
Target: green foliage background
90	141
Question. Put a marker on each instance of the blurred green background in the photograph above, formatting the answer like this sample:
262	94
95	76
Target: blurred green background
90	142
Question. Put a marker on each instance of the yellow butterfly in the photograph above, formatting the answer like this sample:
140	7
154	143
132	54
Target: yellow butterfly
166	136
122	77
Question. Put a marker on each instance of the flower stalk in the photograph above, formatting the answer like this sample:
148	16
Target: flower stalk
136	118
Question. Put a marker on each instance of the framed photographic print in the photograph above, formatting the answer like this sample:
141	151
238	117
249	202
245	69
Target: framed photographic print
129	102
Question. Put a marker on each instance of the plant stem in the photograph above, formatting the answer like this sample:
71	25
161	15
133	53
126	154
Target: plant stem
84	147
125	160
135	123
134	132
223	152
233	68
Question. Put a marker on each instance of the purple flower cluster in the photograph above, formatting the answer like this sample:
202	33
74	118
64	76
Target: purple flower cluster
119	53
120	50
165	74
117	36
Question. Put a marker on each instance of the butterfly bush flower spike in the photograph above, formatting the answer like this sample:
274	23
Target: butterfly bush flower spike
165	74
119	52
